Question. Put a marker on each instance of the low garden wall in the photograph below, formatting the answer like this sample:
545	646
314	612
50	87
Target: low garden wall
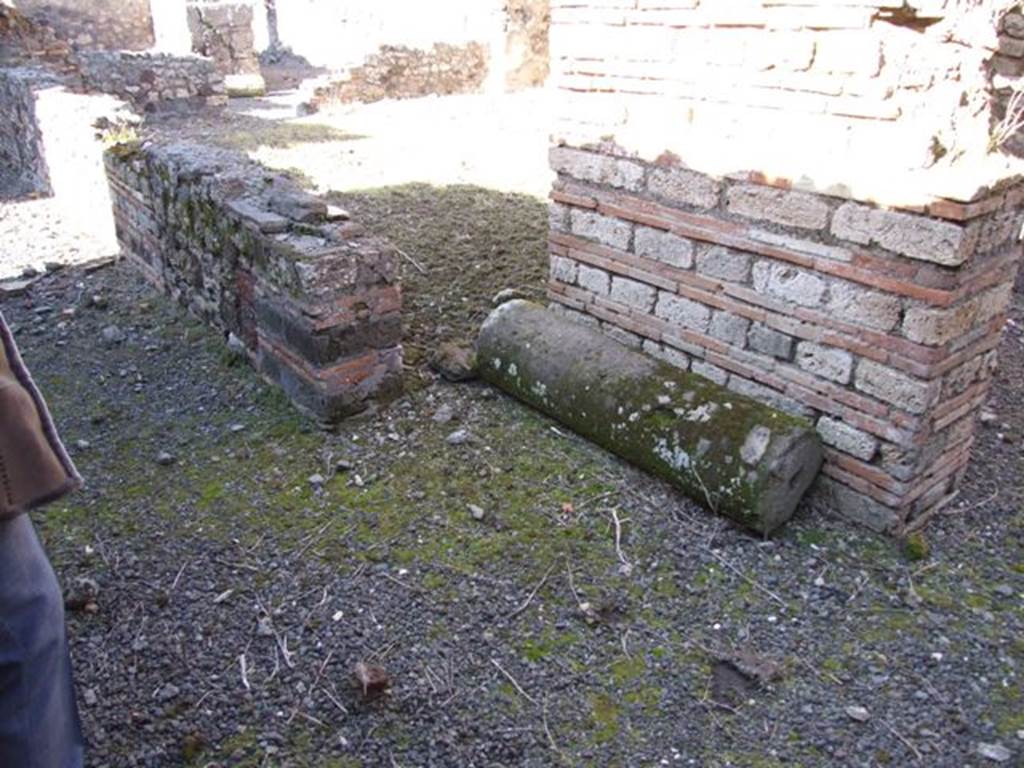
315	301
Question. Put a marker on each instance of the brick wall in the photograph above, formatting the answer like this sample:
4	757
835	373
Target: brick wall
315	301
796	200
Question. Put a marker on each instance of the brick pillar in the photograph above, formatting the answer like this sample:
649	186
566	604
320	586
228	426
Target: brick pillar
880	324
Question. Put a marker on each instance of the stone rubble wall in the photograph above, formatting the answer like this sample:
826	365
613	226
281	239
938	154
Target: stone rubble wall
153	81
23	166
403	73
315	301
93	25
880	324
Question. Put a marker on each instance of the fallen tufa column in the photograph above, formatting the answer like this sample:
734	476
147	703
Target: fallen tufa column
315	302
742	459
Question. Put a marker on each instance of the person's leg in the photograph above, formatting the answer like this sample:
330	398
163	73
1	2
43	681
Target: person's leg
39	726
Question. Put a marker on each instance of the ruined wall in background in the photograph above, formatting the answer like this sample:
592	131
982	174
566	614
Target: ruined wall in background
315	301
451	46
94	25
23	42
23	168
223	31
527	54
797	200
338	35
403	73
153	81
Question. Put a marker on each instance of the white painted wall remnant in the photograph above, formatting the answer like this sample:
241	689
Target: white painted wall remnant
336	34
170	27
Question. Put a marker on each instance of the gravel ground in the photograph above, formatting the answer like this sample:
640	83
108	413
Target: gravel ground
236	596
533	601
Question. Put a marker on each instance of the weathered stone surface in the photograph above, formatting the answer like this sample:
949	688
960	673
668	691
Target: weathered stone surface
764	394
663	246
851	440
730	328
262	219
838	499
827	362
891	386
918	237
855	304
563	269
938	325
724	263
710	371
793	209
558	217
632	293
596	280
763	339
605	229
667	354
684	187
790	283
682	312
598	169
736	456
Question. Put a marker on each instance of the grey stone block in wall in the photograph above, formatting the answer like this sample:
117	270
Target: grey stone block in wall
724	263
851	440
670	249
767	341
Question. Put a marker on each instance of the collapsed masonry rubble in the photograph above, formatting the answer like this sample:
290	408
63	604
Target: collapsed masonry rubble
803	204
315	301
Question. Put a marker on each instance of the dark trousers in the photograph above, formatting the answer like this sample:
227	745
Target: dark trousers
39	725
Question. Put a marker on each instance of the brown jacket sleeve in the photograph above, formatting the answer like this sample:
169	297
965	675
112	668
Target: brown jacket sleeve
34	467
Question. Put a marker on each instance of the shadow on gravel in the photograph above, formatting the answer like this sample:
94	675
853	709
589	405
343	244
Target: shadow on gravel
460	245
247	562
